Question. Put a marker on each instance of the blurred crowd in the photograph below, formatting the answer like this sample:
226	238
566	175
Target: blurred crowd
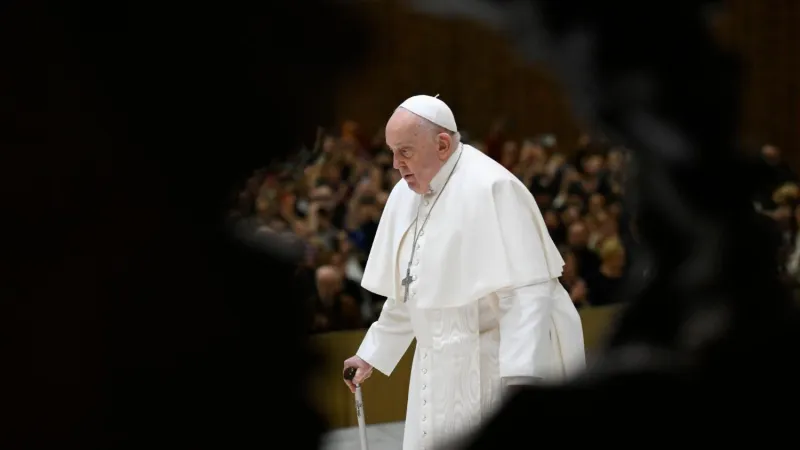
332	200
779	199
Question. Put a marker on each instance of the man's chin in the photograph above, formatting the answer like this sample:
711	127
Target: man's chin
414	186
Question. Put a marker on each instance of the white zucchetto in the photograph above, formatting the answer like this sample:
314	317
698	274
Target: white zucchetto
432	109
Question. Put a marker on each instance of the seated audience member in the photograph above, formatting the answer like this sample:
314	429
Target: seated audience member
554	226
605	227
334	310
603	285
573	283
578	235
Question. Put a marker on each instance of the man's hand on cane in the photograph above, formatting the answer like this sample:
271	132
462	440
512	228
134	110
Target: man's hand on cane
363	371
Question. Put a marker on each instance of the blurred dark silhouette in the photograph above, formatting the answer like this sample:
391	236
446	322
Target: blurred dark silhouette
132	317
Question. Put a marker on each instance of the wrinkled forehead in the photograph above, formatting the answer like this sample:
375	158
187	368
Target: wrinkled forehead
403	128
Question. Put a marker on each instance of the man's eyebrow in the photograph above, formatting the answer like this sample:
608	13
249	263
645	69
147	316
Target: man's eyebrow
400	147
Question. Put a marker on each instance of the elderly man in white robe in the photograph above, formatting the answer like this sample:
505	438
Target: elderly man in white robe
464	259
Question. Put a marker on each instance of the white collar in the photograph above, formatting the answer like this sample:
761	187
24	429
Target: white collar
444	172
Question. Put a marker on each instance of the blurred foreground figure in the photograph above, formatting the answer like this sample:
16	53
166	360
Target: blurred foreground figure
133	317
464	259
712	333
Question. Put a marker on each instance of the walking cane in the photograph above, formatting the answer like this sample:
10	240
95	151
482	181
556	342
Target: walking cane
349	374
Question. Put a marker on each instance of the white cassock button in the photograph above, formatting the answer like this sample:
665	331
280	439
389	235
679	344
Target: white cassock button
424	355
416	263
418	246
427	202
424	370
424	418
413	278
422	232
424	433
424	402
424	386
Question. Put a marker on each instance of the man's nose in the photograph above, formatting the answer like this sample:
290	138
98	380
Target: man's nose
396	163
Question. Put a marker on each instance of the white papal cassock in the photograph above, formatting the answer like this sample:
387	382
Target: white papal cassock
485	303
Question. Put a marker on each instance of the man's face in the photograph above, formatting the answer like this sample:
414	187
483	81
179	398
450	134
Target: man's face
418	151
329	283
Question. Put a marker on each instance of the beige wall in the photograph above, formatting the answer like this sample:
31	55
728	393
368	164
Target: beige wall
473	69
479	75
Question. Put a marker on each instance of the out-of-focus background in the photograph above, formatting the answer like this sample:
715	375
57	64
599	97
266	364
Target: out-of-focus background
516	113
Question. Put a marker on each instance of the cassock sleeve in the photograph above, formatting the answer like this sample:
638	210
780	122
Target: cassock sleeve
526	351
388	338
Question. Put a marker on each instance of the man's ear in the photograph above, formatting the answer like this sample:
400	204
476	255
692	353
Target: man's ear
444	142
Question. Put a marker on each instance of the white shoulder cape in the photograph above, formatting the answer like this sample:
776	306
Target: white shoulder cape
485	234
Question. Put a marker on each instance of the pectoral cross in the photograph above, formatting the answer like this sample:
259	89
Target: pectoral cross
407	282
